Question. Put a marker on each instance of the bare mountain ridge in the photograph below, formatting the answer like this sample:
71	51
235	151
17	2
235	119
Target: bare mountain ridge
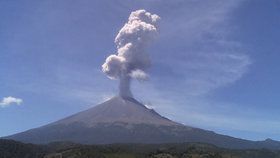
125	120
118	109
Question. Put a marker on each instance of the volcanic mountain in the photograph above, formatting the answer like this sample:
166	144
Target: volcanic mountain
125	120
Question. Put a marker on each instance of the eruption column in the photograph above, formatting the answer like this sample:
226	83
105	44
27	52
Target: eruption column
124	87
131	60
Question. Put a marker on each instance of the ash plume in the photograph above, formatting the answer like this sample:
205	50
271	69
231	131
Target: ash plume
131	60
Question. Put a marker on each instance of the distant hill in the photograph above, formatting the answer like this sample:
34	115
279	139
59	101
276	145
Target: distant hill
125	120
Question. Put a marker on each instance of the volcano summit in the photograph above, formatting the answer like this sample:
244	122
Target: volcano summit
118	120
125	120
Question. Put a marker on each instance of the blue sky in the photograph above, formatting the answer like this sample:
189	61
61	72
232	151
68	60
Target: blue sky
214	65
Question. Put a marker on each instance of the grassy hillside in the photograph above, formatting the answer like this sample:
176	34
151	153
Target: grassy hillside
13	149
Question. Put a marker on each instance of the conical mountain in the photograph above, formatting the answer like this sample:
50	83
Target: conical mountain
125	120
118	110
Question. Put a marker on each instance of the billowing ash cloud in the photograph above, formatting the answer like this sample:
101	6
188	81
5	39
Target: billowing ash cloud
131	60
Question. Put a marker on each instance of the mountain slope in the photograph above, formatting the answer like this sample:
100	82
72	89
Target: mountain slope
125	120
117	109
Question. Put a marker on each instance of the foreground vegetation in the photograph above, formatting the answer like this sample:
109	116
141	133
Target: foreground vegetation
13	149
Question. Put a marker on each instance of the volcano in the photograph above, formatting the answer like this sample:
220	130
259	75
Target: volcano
125	120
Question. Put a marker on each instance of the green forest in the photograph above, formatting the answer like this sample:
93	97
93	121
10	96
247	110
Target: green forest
14	149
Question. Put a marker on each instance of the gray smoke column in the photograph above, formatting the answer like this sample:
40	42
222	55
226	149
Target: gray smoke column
131	59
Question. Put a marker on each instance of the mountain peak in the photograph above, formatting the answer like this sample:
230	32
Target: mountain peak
125	120
268	140
118	110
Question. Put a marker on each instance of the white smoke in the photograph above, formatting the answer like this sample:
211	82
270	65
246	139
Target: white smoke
138	74
131	60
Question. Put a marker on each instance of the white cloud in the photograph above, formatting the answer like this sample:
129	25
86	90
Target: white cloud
7	101
207	71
